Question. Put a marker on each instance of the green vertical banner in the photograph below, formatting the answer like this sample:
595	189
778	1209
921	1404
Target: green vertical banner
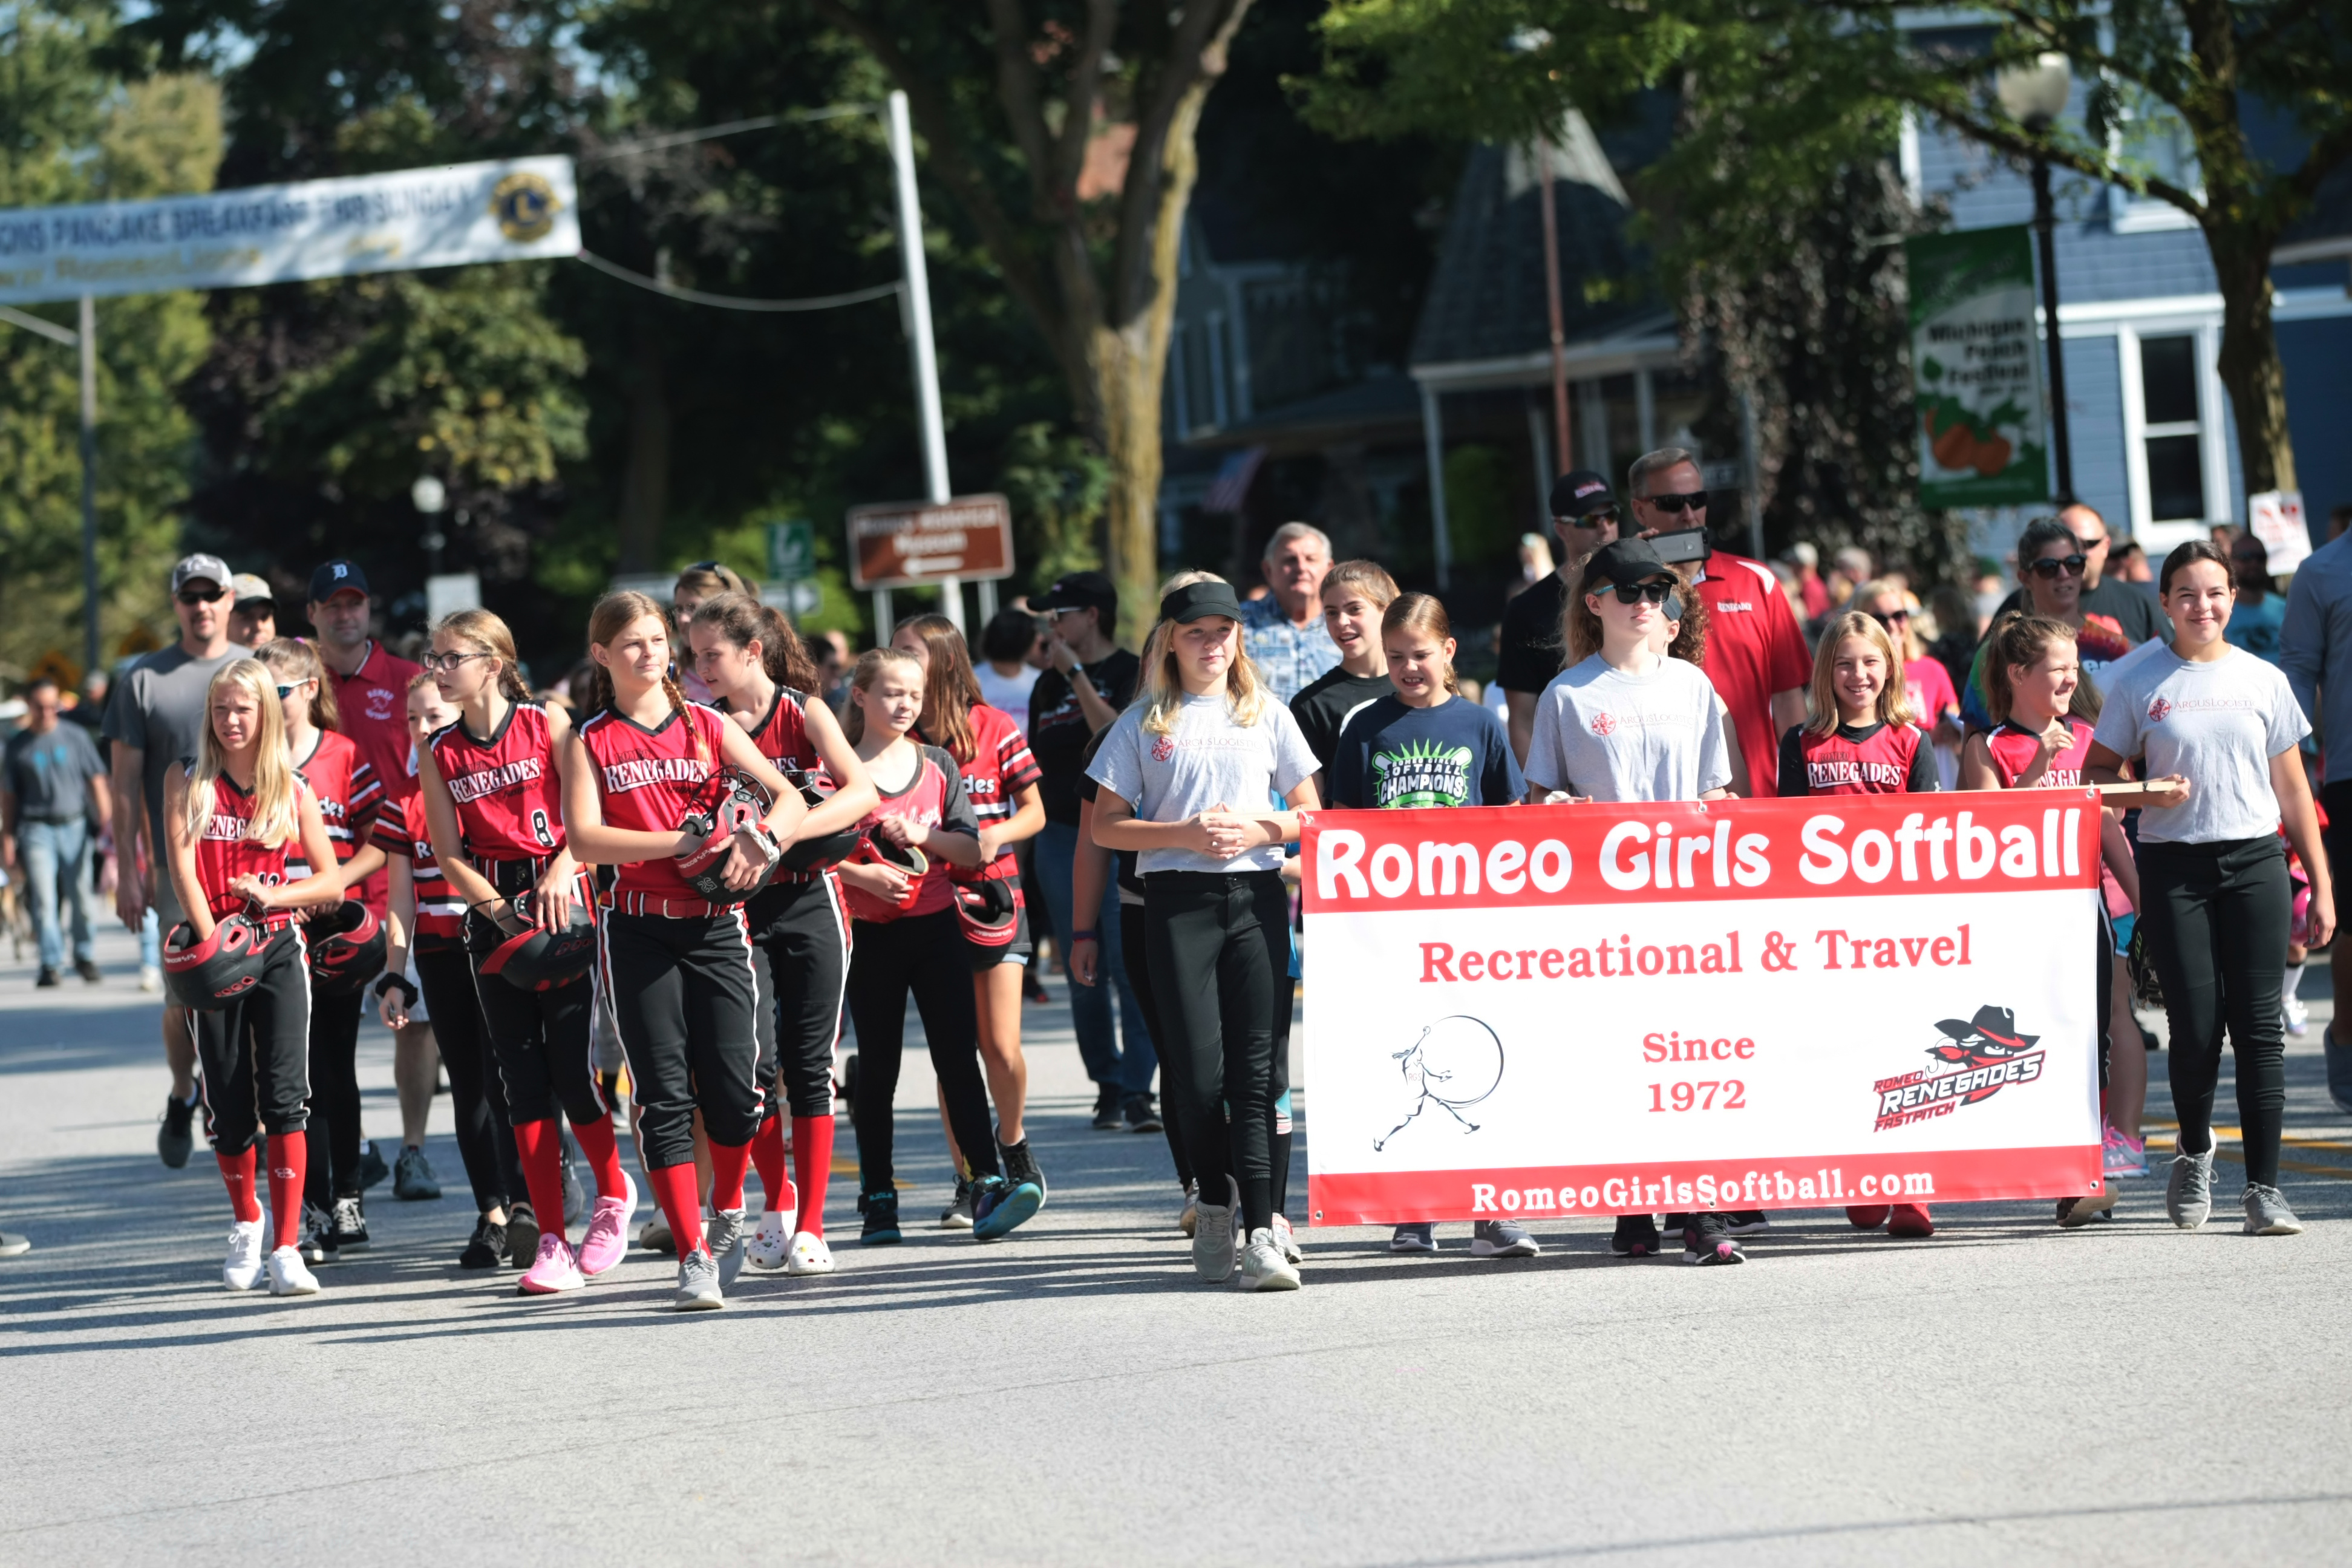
1976	369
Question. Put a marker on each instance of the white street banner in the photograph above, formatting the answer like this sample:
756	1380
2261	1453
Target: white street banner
509	211
1783	1003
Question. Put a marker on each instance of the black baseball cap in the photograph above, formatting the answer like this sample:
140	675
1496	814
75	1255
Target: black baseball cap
1578	493
336	577
1079	591
1198	601
1621	562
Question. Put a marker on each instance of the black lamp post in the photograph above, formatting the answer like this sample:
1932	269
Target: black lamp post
2036	96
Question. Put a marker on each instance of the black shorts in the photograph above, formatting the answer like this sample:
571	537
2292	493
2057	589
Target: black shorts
1017	950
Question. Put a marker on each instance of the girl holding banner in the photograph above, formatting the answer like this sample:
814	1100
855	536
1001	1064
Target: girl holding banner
1631	723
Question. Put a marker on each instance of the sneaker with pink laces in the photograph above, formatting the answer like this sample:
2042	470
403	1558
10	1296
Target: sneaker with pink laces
608	1230
552	1271
2121	1154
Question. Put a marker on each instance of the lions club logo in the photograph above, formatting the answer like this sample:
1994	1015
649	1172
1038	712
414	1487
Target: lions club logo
2158	709
1162	748
525	206
1603	724
1986	1055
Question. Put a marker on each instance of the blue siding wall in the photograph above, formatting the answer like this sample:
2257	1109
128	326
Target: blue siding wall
2318	356
2094	408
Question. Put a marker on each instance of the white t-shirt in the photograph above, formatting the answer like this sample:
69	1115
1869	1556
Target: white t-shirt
1601	733
2217	724
1008	692
1204	761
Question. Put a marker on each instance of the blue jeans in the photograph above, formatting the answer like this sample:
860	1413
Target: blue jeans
56	855
1129	1070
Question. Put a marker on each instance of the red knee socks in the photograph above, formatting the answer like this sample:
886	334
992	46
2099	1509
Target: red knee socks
236	1174
290	1160
728	1164
812	1162
604	1151
540	1146
768	1155
674	1191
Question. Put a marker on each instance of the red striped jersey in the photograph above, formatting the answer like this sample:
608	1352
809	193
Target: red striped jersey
1866	759
225	853
781	736
933	798
999	768
510	802
349	794
649	779
2013	750
400	829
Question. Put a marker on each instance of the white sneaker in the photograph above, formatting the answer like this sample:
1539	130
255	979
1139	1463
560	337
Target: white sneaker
770	1243
246	1255
2295	1016
809	1255
1212	1241
151	979
1285	1240
290	1276
1263	1266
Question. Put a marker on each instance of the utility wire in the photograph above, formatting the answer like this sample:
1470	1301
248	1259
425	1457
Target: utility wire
707	132
736	301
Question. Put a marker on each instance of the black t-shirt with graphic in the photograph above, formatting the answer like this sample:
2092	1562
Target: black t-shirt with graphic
1059	732
1391	757
1531	652
1328	702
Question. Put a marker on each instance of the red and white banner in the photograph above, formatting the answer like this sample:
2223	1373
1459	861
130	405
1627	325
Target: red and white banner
1779	1004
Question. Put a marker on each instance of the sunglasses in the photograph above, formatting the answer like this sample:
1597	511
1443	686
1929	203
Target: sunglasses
1653	591
195	596
284	691
1891	616
1694	500
447	663
1593	520
2050	567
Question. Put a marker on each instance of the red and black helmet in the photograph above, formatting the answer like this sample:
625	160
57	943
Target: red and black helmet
536	960
989	910
873	850
210	974
730	801
347	947
804	855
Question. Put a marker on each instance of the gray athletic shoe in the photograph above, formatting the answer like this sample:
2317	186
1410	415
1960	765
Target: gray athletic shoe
1501	1238
723	1239
1263	1266
2188	1193
1212	1241
2267	1213
697	1283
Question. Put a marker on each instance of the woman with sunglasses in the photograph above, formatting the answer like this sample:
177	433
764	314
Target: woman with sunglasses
1665	743
2049	565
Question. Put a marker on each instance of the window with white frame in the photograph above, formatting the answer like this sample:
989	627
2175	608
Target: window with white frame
2150	137
2177	452
2172	437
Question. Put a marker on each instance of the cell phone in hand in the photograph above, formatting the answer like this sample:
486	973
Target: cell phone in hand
1682	544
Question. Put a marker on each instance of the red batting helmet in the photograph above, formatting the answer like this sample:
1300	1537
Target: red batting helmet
208	975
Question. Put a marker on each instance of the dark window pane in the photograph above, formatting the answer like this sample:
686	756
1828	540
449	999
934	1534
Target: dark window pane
2176	478
2168	379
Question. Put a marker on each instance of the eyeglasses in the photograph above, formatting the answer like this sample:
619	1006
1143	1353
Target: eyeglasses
447	663
1635	593
2050	567
197	597
1694	500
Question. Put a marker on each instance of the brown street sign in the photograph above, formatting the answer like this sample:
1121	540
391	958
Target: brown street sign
904	543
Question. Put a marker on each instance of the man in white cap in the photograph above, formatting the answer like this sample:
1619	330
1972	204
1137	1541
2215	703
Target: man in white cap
253	611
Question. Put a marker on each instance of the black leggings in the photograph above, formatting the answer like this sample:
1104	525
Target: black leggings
1135	946
684	1000
543	1041
1220	951
2216	918
485	1137
804	932
925	954
334	1171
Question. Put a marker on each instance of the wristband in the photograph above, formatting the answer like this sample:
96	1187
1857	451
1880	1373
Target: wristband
408	998
1078	936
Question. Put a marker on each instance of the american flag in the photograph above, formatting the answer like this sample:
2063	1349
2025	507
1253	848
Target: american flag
1232	483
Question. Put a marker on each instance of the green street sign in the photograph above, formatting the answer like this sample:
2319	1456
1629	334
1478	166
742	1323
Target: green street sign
792	551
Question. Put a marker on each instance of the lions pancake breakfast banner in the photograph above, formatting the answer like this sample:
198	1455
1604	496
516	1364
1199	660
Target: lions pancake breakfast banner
1604	1009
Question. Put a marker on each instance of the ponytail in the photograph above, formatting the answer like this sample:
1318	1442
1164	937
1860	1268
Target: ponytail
744	620
482	632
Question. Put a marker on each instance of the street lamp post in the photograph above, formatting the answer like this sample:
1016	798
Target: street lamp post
428	496
2035	96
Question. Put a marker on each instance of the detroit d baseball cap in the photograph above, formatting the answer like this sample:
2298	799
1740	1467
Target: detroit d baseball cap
207	568
1578	493
336	578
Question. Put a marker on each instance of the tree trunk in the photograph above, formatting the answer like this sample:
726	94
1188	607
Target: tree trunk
644	483
2251	370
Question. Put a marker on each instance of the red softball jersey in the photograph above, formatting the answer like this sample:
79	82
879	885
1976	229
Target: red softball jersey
349	794
2013	748
509	803
371	709
781	736
932	797
1870	759
649	779
999	768
400	830
225	851
1754	648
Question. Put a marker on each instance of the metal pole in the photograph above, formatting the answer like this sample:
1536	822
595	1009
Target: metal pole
2045	220
1754	486
1559	329
1433	434
90	607
917	302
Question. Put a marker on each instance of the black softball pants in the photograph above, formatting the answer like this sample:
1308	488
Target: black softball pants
334	1171
685	1002
485	1137
256	1052
804	932
1134	946
2218	917
543	1041
1220	959
927	955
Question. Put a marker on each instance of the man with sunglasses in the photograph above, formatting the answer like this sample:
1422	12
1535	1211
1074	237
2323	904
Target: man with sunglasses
156	718
1755	652
1584	518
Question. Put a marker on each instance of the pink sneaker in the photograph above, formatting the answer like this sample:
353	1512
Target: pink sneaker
608	1230
553	1270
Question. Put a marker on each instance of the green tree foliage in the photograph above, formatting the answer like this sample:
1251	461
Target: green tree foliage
71	131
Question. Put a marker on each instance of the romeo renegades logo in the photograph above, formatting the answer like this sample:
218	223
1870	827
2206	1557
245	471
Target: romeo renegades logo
1989	1055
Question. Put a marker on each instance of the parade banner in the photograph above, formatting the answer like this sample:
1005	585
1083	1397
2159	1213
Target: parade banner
513	210
1975	368
1605	1009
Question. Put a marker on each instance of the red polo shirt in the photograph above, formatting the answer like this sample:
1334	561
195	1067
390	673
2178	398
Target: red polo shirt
1754	648
372	704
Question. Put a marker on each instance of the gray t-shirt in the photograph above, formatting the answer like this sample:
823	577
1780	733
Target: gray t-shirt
160	709
49	773
1601	733
1206	759
2218	725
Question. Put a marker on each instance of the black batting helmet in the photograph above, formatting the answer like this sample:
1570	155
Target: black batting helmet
537	960
208	975
347	947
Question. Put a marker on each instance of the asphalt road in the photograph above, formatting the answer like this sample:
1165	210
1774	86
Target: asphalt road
2001	1392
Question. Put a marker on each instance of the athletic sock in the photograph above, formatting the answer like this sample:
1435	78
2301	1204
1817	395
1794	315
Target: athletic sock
812	1163
728	1164
1281	1151
540	1145
236	1172
680	1204
768	1157
596	1140
289	1156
